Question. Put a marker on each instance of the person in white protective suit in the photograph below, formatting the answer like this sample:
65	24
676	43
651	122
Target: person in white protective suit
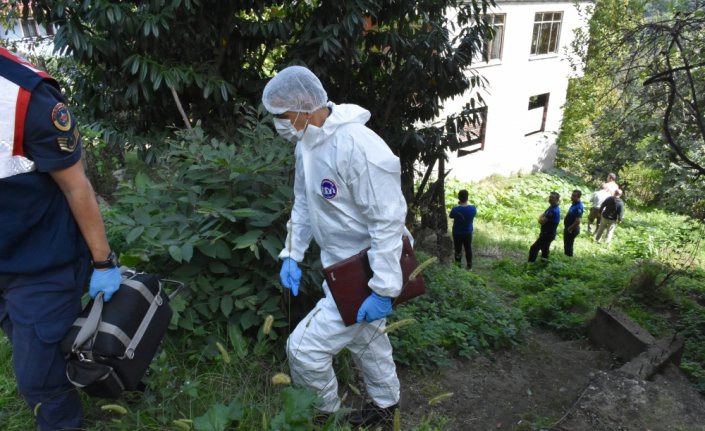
348	197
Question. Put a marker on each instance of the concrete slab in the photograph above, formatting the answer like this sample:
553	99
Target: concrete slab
619	334
655	358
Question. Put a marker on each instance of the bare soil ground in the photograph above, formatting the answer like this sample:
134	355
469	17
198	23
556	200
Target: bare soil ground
549	383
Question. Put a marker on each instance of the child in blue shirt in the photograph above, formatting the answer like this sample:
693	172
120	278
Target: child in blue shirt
463	215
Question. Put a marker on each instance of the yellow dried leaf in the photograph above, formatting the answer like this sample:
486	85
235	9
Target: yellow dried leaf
439	398
399	324
281	379
115	408
224	353
267	327
421	267
397	420
182	425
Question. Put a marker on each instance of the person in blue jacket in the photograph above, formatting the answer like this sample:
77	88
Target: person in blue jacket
549	221
571	223
463	216
51	230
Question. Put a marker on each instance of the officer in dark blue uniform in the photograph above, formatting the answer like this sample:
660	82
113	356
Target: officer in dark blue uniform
51	231
571	223
549	221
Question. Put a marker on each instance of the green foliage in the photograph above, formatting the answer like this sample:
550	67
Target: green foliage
211	214
516	203
637	108
102	161
298	411
651	271
458	317
643	181
218	374
138	61
189	384
692	327
219	417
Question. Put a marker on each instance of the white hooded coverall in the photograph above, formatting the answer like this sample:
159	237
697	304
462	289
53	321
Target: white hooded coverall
348	197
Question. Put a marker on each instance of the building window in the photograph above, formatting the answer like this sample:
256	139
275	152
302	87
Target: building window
538	108
29	27
547	30
493	47
472	138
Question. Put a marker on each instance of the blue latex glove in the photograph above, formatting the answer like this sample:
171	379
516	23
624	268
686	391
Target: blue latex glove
106	281
290	275
374	307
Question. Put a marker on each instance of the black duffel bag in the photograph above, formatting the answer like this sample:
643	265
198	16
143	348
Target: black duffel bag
111	344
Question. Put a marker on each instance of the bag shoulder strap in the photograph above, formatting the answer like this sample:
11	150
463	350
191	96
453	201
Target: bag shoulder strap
90	326
156	302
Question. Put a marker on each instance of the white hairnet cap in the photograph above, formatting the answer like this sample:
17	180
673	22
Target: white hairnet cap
294	89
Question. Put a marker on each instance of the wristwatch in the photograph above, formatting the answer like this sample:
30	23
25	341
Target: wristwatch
110	262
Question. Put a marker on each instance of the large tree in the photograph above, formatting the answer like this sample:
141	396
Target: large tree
144	61
639	108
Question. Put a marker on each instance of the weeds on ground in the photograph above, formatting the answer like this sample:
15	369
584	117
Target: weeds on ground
222	379
458	317
651	270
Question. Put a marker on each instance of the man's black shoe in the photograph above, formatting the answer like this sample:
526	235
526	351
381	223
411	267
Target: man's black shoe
371	415
321	418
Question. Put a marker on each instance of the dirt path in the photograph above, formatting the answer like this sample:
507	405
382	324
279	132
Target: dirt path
531	384
536	384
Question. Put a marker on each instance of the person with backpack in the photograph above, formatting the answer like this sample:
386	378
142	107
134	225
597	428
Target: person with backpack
611	213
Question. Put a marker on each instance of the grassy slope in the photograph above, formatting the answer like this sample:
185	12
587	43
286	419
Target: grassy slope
192	377
563	293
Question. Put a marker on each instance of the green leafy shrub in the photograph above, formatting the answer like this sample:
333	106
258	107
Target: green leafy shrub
692	328
644	181
298	411
644	285
458	317
212	213
102	162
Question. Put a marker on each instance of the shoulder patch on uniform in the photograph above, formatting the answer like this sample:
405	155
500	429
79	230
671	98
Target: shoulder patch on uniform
69	144
61	117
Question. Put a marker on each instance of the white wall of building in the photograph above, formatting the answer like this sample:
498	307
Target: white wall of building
512	81
28	37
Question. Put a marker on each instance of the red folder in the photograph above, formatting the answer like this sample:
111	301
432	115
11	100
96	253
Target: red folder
348	280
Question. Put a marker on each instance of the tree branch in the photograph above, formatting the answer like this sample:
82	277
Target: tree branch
181	109
667	132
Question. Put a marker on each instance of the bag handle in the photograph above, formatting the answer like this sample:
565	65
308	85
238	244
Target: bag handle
179	284
91	324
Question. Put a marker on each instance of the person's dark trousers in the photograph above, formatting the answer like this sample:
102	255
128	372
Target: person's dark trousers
463	241
568	240
543	243
36	312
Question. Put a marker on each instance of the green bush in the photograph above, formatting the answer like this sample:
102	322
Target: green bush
643	180
212	214
458	317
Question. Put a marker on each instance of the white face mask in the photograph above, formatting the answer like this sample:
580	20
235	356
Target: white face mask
286	130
